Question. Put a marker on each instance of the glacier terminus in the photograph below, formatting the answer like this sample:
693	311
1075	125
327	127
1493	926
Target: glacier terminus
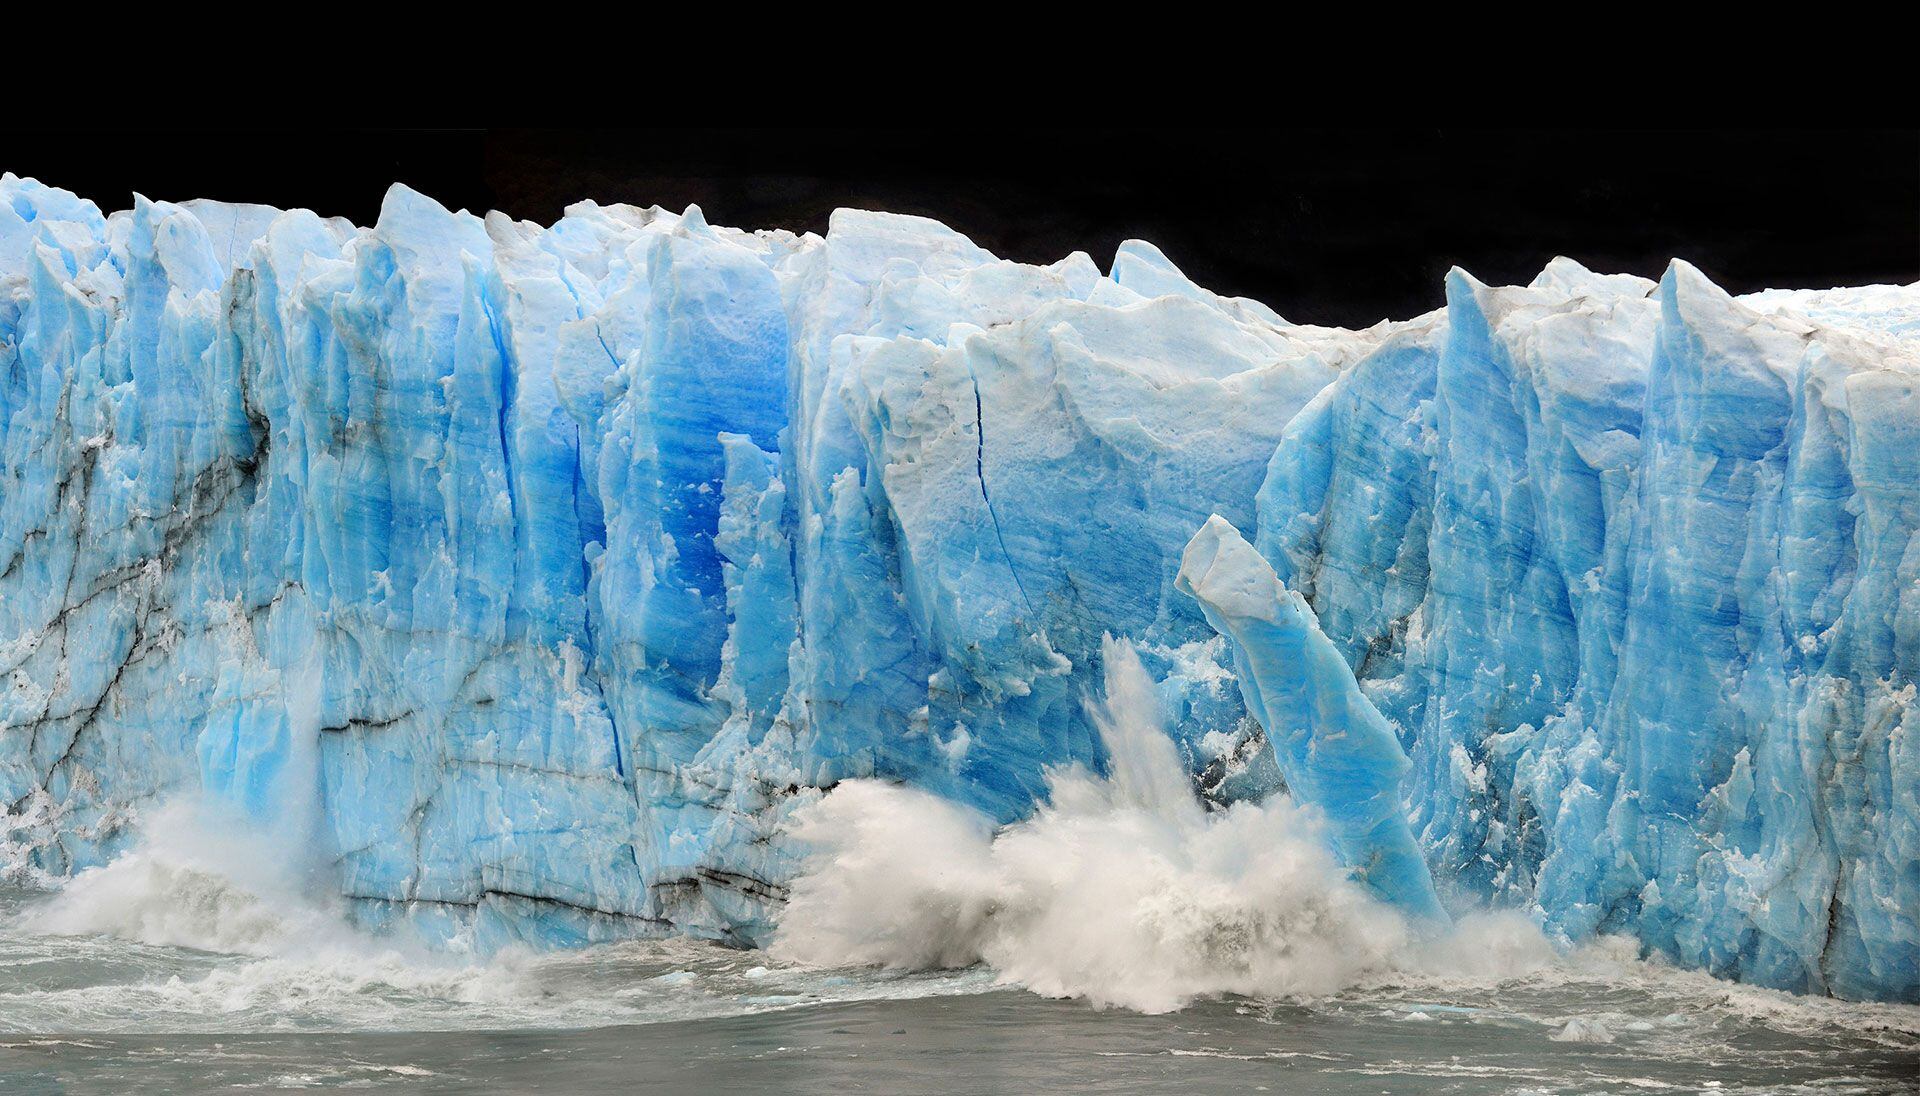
536	582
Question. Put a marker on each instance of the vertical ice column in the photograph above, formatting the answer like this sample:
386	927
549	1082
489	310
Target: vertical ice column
1335	749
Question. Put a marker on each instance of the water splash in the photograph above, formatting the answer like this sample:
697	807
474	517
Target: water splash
200	877
1121	890
208	925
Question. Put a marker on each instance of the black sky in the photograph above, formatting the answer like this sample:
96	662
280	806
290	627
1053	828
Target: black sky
1327	226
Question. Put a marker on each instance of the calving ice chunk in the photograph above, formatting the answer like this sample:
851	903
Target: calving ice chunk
532	580
1335	749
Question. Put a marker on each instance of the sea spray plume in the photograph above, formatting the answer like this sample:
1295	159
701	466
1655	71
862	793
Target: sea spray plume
1121	890
275	943
1144	770
199	877
236	867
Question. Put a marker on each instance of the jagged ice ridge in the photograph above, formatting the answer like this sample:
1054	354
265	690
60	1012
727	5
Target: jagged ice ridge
536	576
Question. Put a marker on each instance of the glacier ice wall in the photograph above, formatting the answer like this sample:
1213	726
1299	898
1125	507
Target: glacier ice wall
1633	570
536	576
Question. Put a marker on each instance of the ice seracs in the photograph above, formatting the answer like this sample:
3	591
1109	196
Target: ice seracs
538	575
1628	567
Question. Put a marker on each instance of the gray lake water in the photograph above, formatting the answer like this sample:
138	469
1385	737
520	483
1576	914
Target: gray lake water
98	1013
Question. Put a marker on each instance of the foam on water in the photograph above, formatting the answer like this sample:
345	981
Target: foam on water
205	926
116	984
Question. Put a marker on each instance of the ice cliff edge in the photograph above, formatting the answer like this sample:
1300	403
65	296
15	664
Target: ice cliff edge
539	574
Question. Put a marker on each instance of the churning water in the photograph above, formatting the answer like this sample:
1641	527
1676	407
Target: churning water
1122	939
109	1014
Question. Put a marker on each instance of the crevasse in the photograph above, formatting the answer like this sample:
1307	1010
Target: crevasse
536	576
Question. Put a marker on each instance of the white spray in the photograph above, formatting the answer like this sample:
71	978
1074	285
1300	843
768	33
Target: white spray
1121	890
219	870
199	877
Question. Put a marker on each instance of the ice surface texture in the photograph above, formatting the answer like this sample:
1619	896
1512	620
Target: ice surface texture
535	576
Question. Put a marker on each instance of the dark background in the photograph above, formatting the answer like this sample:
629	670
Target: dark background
1326	226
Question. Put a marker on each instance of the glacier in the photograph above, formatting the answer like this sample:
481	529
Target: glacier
531	579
